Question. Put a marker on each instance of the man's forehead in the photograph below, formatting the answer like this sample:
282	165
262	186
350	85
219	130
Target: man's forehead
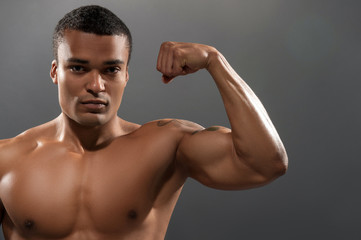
77	34
83	61
77	44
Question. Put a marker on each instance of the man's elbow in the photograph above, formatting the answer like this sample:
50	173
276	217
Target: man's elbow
274	165
279	165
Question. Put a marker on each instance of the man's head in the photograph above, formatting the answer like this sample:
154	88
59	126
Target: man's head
91	69
91	19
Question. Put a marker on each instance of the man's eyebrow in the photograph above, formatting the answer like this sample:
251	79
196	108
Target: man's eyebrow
81	61
113	62
77	60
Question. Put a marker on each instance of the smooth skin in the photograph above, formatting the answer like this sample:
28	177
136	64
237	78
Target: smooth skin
89	174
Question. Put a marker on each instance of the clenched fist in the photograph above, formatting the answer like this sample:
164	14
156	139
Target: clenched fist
176	58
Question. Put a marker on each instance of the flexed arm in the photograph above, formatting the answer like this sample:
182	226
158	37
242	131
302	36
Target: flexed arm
251	153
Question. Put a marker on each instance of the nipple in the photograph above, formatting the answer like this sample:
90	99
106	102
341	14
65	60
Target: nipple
29	224
132	214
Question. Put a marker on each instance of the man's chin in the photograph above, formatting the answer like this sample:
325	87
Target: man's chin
92	120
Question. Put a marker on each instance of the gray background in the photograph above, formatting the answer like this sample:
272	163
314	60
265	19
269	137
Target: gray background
302	58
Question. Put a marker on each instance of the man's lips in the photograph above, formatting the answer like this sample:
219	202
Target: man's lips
94	104
95	101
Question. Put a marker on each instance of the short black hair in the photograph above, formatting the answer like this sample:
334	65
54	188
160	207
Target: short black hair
90	19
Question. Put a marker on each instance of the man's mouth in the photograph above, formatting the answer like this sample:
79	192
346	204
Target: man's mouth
95	101
95	104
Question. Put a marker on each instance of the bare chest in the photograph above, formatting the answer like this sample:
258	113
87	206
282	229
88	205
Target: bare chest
53	191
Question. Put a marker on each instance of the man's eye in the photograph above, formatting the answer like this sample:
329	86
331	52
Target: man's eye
77	68
113	70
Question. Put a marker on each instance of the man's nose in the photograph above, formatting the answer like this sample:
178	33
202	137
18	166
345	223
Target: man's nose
96	83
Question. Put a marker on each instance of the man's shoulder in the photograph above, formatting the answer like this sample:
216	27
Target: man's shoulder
12	149
164	133
171	125
24	142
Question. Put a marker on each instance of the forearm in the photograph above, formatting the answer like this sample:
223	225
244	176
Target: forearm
255	139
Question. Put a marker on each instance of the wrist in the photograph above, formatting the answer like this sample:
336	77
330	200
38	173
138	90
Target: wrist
213	59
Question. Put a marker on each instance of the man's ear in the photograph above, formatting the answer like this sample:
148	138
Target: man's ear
127	76
54	71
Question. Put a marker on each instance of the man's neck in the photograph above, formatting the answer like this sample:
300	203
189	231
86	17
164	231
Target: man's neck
87	138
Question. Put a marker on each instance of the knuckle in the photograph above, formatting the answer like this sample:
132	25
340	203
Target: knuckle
166	44
169	44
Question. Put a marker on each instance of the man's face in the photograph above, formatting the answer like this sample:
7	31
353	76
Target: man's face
91	74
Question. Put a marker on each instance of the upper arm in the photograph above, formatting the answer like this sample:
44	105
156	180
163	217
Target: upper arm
3	143
210	157
8	151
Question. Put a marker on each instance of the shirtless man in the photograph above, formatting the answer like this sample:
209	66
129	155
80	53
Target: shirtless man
89	174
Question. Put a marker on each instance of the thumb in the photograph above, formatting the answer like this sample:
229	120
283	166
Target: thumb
166	79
